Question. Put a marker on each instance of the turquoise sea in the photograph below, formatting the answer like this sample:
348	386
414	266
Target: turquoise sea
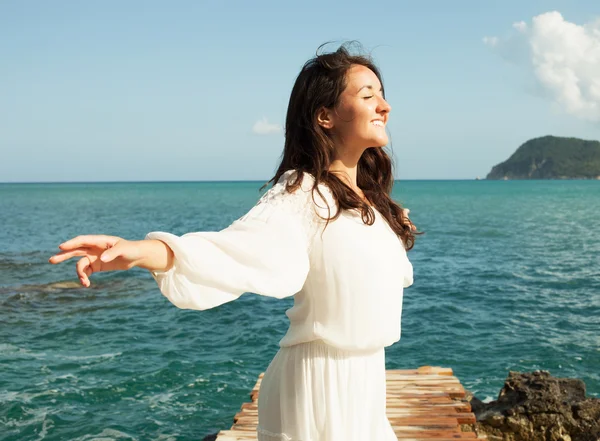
507	277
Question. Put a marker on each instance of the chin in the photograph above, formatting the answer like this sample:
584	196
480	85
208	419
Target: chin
375	141
379	142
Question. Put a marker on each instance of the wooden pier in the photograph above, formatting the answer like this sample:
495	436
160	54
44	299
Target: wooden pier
422	404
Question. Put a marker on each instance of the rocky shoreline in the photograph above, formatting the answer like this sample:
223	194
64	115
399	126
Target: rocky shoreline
535	406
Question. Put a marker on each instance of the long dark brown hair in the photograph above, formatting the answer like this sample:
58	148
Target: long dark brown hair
308	148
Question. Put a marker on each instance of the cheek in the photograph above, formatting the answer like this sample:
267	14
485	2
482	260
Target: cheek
365	110
346	120
346	113
357	115
354	118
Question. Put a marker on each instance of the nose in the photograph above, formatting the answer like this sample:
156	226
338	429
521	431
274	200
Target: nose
383	106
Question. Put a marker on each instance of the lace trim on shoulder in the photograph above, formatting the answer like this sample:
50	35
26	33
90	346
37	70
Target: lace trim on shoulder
296	201
299	202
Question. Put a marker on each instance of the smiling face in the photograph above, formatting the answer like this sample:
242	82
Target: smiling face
359	118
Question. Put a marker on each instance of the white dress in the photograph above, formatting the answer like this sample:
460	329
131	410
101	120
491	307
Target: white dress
327	381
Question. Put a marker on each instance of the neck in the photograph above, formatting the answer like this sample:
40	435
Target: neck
345	165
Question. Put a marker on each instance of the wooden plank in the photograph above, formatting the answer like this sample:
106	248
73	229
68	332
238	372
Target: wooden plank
416	405
431	434
424	437
424	404
395	411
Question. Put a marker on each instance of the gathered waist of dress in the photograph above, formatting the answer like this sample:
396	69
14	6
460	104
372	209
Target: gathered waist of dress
363	342
332	350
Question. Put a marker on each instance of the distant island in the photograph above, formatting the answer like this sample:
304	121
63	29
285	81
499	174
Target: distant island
551	157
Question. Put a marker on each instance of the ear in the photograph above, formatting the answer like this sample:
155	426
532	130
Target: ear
324	118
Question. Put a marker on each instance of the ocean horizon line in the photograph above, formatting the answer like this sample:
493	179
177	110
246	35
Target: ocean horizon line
207	181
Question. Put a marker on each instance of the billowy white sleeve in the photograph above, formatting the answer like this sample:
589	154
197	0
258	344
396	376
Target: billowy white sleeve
264	252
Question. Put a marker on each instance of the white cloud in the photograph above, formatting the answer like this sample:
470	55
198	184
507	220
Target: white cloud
520	26
264	127
490	41
563	56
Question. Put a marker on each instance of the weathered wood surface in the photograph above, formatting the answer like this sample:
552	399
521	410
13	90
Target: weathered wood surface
424	404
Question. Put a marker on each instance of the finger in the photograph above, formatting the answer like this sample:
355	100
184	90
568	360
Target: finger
100	241
111	254
66	255
84	270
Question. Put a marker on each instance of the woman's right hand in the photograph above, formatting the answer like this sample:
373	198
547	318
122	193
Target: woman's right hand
99	253
407	220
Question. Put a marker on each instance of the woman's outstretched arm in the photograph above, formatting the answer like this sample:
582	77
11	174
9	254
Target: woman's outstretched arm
265	252
111	253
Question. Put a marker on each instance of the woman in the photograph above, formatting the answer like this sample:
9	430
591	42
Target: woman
327	233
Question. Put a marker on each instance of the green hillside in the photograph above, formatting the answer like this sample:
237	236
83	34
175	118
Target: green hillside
551	157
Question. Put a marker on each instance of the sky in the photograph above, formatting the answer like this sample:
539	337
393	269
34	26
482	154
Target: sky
198	90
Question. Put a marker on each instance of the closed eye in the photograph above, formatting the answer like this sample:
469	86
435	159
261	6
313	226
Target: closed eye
367	97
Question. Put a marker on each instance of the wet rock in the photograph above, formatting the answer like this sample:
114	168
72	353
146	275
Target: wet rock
535	406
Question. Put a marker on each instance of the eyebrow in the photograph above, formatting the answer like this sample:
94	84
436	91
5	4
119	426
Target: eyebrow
368	86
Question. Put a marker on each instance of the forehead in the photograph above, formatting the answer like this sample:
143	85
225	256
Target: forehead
358	76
